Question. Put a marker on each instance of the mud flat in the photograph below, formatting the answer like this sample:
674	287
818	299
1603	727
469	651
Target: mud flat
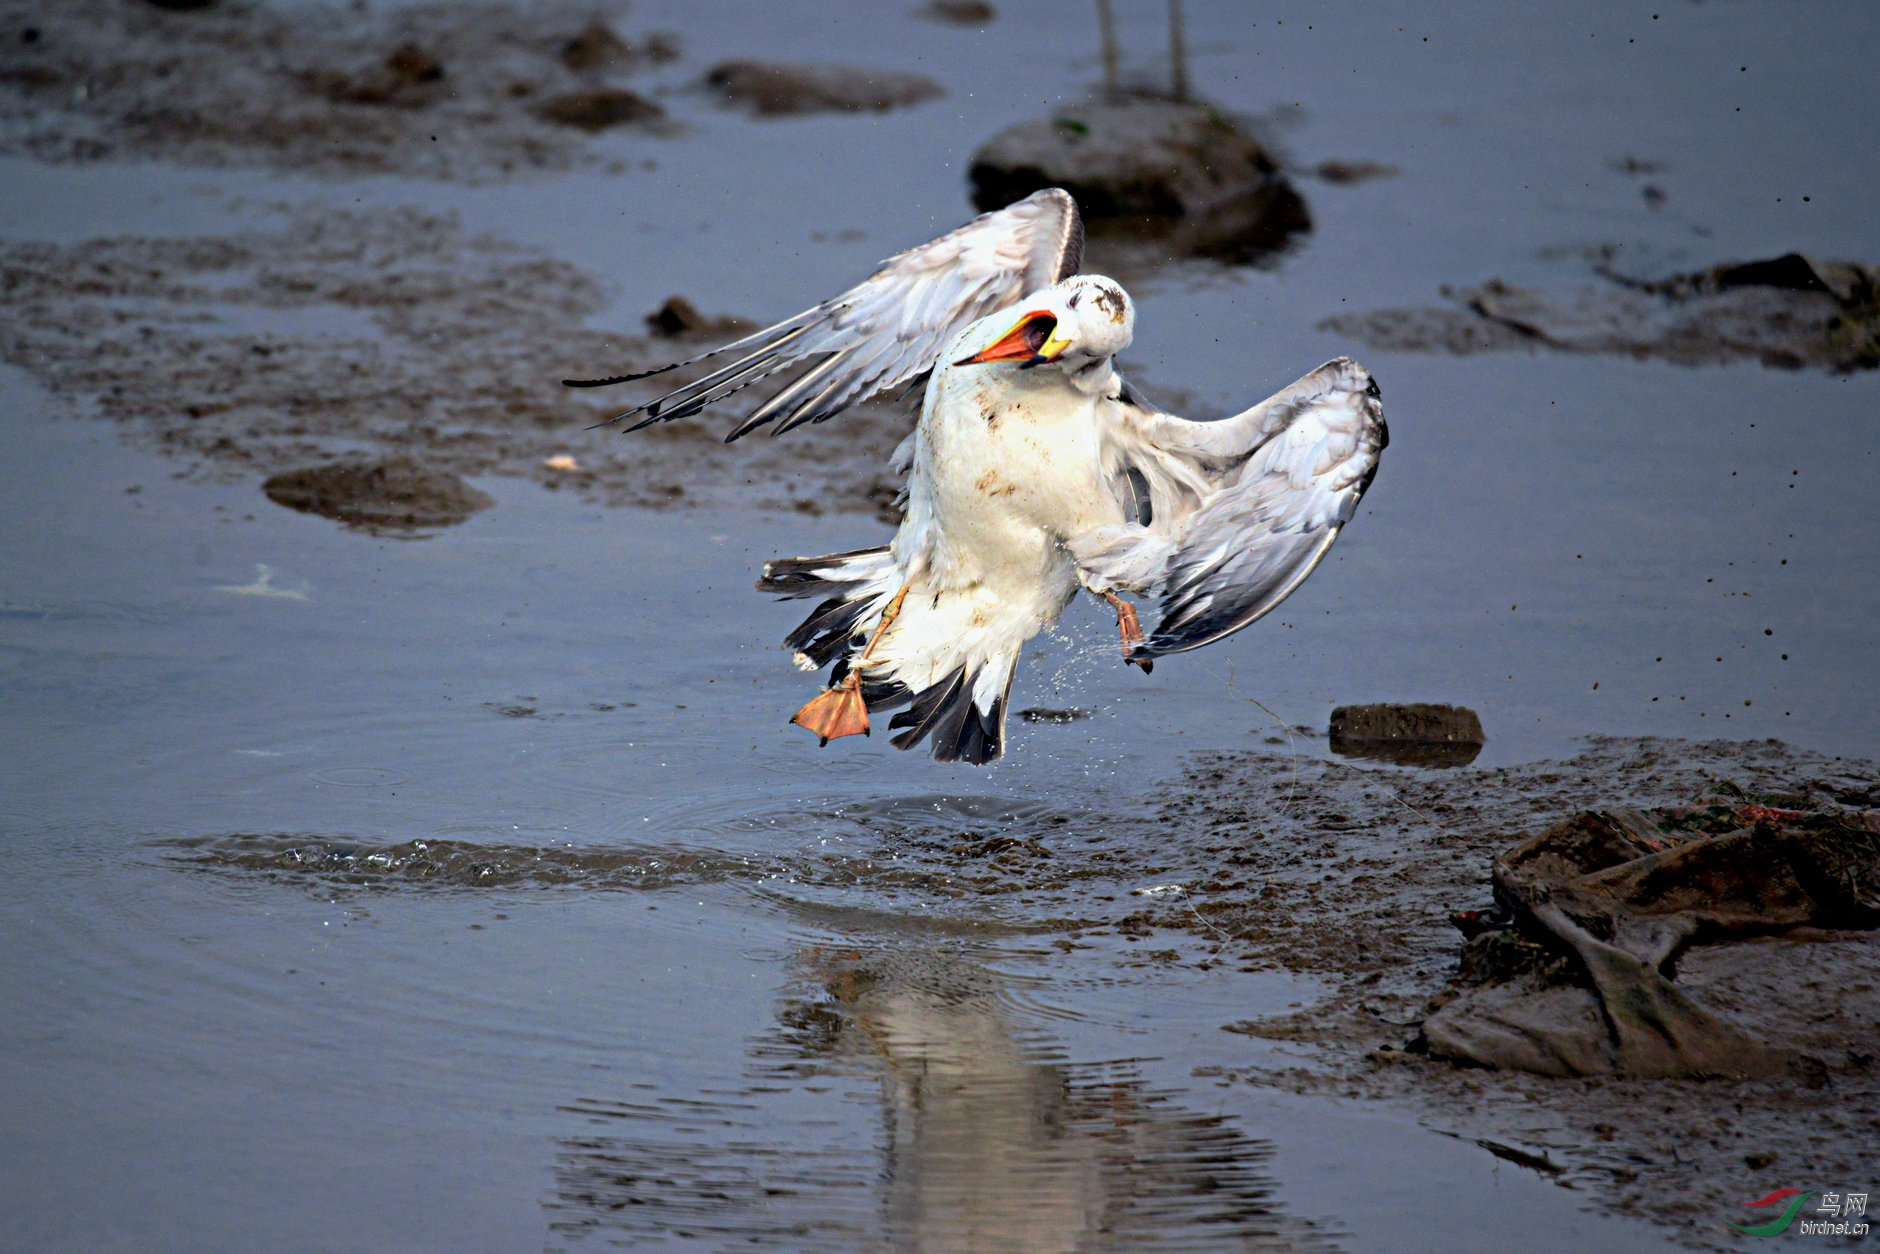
1790	312
396	333
1348	876
473	91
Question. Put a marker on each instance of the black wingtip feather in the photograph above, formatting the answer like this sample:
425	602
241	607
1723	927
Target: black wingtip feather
620	378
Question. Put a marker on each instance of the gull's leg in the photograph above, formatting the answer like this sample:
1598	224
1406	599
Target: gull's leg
840	711
1129	628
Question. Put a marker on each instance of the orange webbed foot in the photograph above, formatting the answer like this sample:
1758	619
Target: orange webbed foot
1129	627
837	712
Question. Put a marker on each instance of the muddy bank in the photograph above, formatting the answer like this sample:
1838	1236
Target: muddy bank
458	91
1575	974
1353	880
1790	312
1348	876
361	336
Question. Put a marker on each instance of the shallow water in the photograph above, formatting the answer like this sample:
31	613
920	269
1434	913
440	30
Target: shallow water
471	892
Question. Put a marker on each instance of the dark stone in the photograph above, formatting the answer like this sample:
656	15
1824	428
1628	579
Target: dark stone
679	318
1413	734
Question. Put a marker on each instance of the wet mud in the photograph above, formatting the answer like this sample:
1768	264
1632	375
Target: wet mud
1789	312
396	497
1576	973
473	92
1347	875
768	89
369	365
398	334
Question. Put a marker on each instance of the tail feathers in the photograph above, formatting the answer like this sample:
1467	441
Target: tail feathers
834	574
855	586
960	729
962	713
877	694
829	629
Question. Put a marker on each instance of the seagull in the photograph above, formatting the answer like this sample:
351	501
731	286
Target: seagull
1034	471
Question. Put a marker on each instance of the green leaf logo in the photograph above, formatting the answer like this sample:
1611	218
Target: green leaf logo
1776	1226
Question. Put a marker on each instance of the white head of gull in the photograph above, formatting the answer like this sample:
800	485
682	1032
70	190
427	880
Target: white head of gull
1034	471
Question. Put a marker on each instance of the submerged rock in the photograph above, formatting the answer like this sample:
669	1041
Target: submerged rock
773	90
1601	908
1408	734
389	497
1179	171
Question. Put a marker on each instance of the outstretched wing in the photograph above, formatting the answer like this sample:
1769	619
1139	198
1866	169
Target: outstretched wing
890	327
1238	512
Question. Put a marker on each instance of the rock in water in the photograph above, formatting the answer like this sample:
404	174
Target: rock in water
1408	734
1184	171
390	497
679	317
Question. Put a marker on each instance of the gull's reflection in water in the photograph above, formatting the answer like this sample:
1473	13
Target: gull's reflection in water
987	1139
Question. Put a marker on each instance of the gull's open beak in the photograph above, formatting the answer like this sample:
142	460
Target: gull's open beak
1032	342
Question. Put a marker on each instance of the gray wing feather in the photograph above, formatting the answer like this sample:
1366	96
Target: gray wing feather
1243	509
890	327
